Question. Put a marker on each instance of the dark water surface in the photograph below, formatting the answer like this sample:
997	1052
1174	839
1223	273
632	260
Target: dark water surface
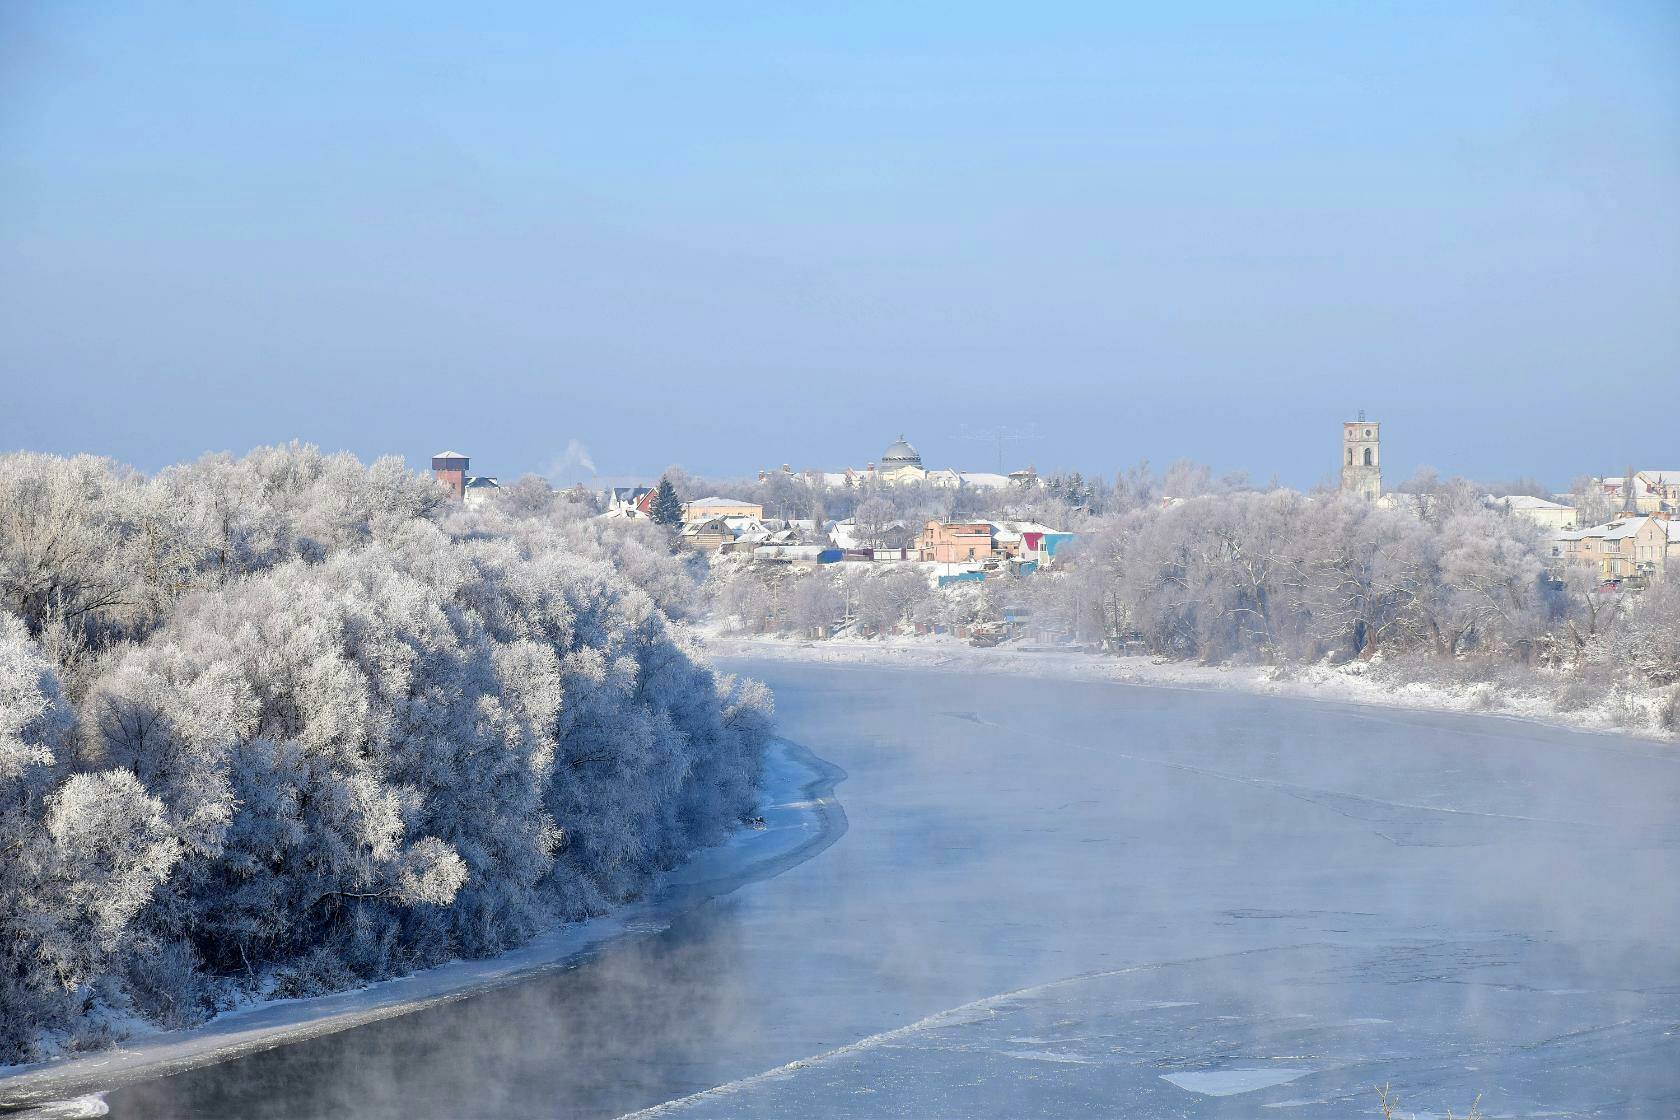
1077	899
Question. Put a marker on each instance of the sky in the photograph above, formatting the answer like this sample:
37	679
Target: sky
573	239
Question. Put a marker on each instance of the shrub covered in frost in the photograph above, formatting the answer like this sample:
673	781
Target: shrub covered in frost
316	739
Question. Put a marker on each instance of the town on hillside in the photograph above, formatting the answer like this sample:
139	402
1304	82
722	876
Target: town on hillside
1622	527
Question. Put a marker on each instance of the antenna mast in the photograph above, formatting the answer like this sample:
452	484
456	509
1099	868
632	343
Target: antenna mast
999	436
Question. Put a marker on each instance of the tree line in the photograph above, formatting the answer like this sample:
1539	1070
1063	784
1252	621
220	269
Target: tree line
1433	586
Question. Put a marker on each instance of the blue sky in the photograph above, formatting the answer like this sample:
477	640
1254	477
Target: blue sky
731	235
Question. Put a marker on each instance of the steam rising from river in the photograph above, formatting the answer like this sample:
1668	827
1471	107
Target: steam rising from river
1192	885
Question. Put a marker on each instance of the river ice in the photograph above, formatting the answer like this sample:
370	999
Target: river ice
1229	1082
1061	898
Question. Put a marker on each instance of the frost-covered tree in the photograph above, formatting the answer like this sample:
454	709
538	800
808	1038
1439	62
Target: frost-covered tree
1649	642
325	731
876	520
815	604
1276	576
529	495
80	855
64	564
92	554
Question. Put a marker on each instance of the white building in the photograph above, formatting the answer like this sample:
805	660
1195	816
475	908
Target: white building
1547	515
478	489
901	464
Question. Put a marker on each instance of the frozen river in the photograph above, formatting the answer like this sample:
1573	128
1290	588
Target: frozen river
1083	899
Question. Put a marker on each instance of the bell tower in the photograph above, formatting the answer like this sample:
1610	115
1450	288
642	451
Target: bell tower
1362	458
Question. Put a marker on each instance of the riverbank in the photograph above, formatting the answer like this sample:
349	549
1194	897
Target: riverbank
1361	683
800	816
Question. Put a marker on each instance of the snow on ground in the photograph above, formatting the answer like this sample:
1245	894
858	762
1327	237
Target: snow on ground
800	818
1353	683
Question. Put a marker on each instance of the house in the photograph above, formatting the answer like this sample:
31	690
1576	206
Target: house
1547	515
1009	536
478	489
1041	548
704	509
780	532
1662	490
1653	491
638	498
746	534
708	535
737	534
1620	549
958	542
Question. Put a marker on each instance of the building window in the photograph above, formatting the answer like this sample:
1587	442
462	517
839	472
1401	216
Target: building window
1367	456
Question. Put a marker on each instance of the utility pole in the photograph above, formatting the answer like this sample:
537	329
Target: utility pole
998	436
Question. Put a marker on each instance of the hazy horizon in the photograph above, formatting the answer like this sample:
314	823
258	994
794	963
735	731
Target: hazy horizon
731	239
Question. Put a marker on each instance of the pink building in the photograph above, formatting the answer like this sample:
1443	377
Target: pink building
957	542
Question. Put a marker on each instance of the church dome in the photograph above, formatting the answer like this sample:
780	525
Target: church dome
900	454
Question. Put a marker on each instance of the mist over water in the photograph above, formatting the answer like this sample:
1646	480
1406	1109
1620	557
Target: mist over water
1060	898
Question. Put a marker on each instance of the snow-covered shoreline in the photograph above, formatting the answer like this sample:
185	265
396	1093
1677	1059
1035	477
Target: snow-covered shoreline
801	817
1343	684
